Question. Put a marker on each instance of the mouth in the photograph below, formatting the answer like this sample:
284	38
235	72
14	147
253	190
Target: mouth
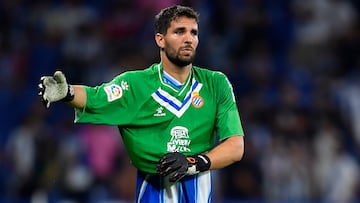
187	50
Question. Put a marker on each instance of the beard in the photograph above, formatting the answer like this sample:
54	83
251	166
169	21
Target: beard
176	58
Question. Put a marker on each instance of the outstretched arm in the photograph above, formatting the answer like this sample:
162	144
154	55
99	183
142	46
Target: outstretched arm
79	100
55	88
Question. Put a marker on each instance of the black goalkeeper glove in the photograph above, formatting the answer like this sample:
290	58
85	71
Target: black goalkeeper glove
54	88
177	165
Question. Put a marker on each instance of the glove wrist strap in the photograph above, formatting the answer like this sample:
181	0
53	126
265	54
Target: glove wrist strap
198	163
70	94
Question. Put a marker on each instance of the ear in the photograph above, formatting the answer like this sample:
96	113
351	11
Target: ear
160	41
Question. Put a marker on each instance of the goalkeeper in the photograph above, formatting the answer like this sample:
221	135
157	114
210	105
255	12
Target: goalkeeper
168	114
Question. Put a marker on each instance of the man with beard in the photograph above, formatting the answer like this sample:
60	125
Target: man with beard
178	121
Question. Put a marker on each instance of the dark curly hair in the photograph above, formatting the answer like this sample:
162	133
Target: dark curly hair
166	15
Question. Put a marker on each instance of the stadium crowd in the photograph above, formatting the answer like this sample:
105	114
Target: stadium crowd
294	66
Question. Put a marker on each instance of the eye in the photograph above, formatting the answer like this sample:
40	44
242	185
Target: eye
194	32
179	31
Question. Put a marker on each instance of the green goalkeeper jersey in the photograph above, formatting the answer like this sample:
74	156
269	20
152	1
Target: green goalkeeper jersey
155	117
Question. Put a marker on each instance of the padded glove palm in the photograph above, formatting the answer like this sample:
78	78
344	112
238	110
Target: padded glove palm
54	88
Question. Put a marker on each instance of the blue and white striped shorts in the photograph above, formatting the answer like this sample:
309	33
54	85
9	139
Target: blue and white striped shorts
157	189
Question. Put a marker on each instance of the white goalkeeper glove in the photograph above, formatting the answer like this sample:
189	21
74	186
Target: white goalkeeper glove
55	88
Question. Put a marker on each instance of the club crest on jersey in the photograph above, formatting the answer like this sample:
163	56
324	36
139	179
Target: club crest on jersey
113	92
197	101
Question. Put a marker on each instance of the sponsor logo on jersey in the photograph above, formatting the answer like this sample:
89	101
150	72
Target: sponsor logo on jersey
197	101
124	85
180	140
113	92
159	112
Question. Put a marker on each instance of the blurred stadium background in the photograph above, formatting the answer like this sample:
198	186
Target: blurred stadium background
294	65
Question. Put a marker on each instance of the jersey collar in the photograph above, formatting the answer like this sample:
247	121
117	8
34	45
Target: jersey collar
163	82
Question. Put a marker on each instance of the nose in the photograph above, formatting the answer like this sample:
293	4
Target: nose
189	38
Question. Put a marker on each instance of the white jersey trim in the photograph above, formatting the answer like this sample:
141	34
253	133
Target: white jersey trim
172	104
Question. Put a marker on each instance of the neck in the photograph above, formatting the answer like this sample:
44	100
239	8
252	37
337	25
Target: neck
179	73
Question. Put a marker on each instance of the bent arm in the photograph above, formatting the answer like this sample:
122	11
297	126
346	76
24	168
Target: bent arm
79	100
227	152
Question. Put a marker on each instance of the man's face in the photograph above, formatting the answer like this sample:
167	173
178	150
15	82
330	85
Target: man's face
181	41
